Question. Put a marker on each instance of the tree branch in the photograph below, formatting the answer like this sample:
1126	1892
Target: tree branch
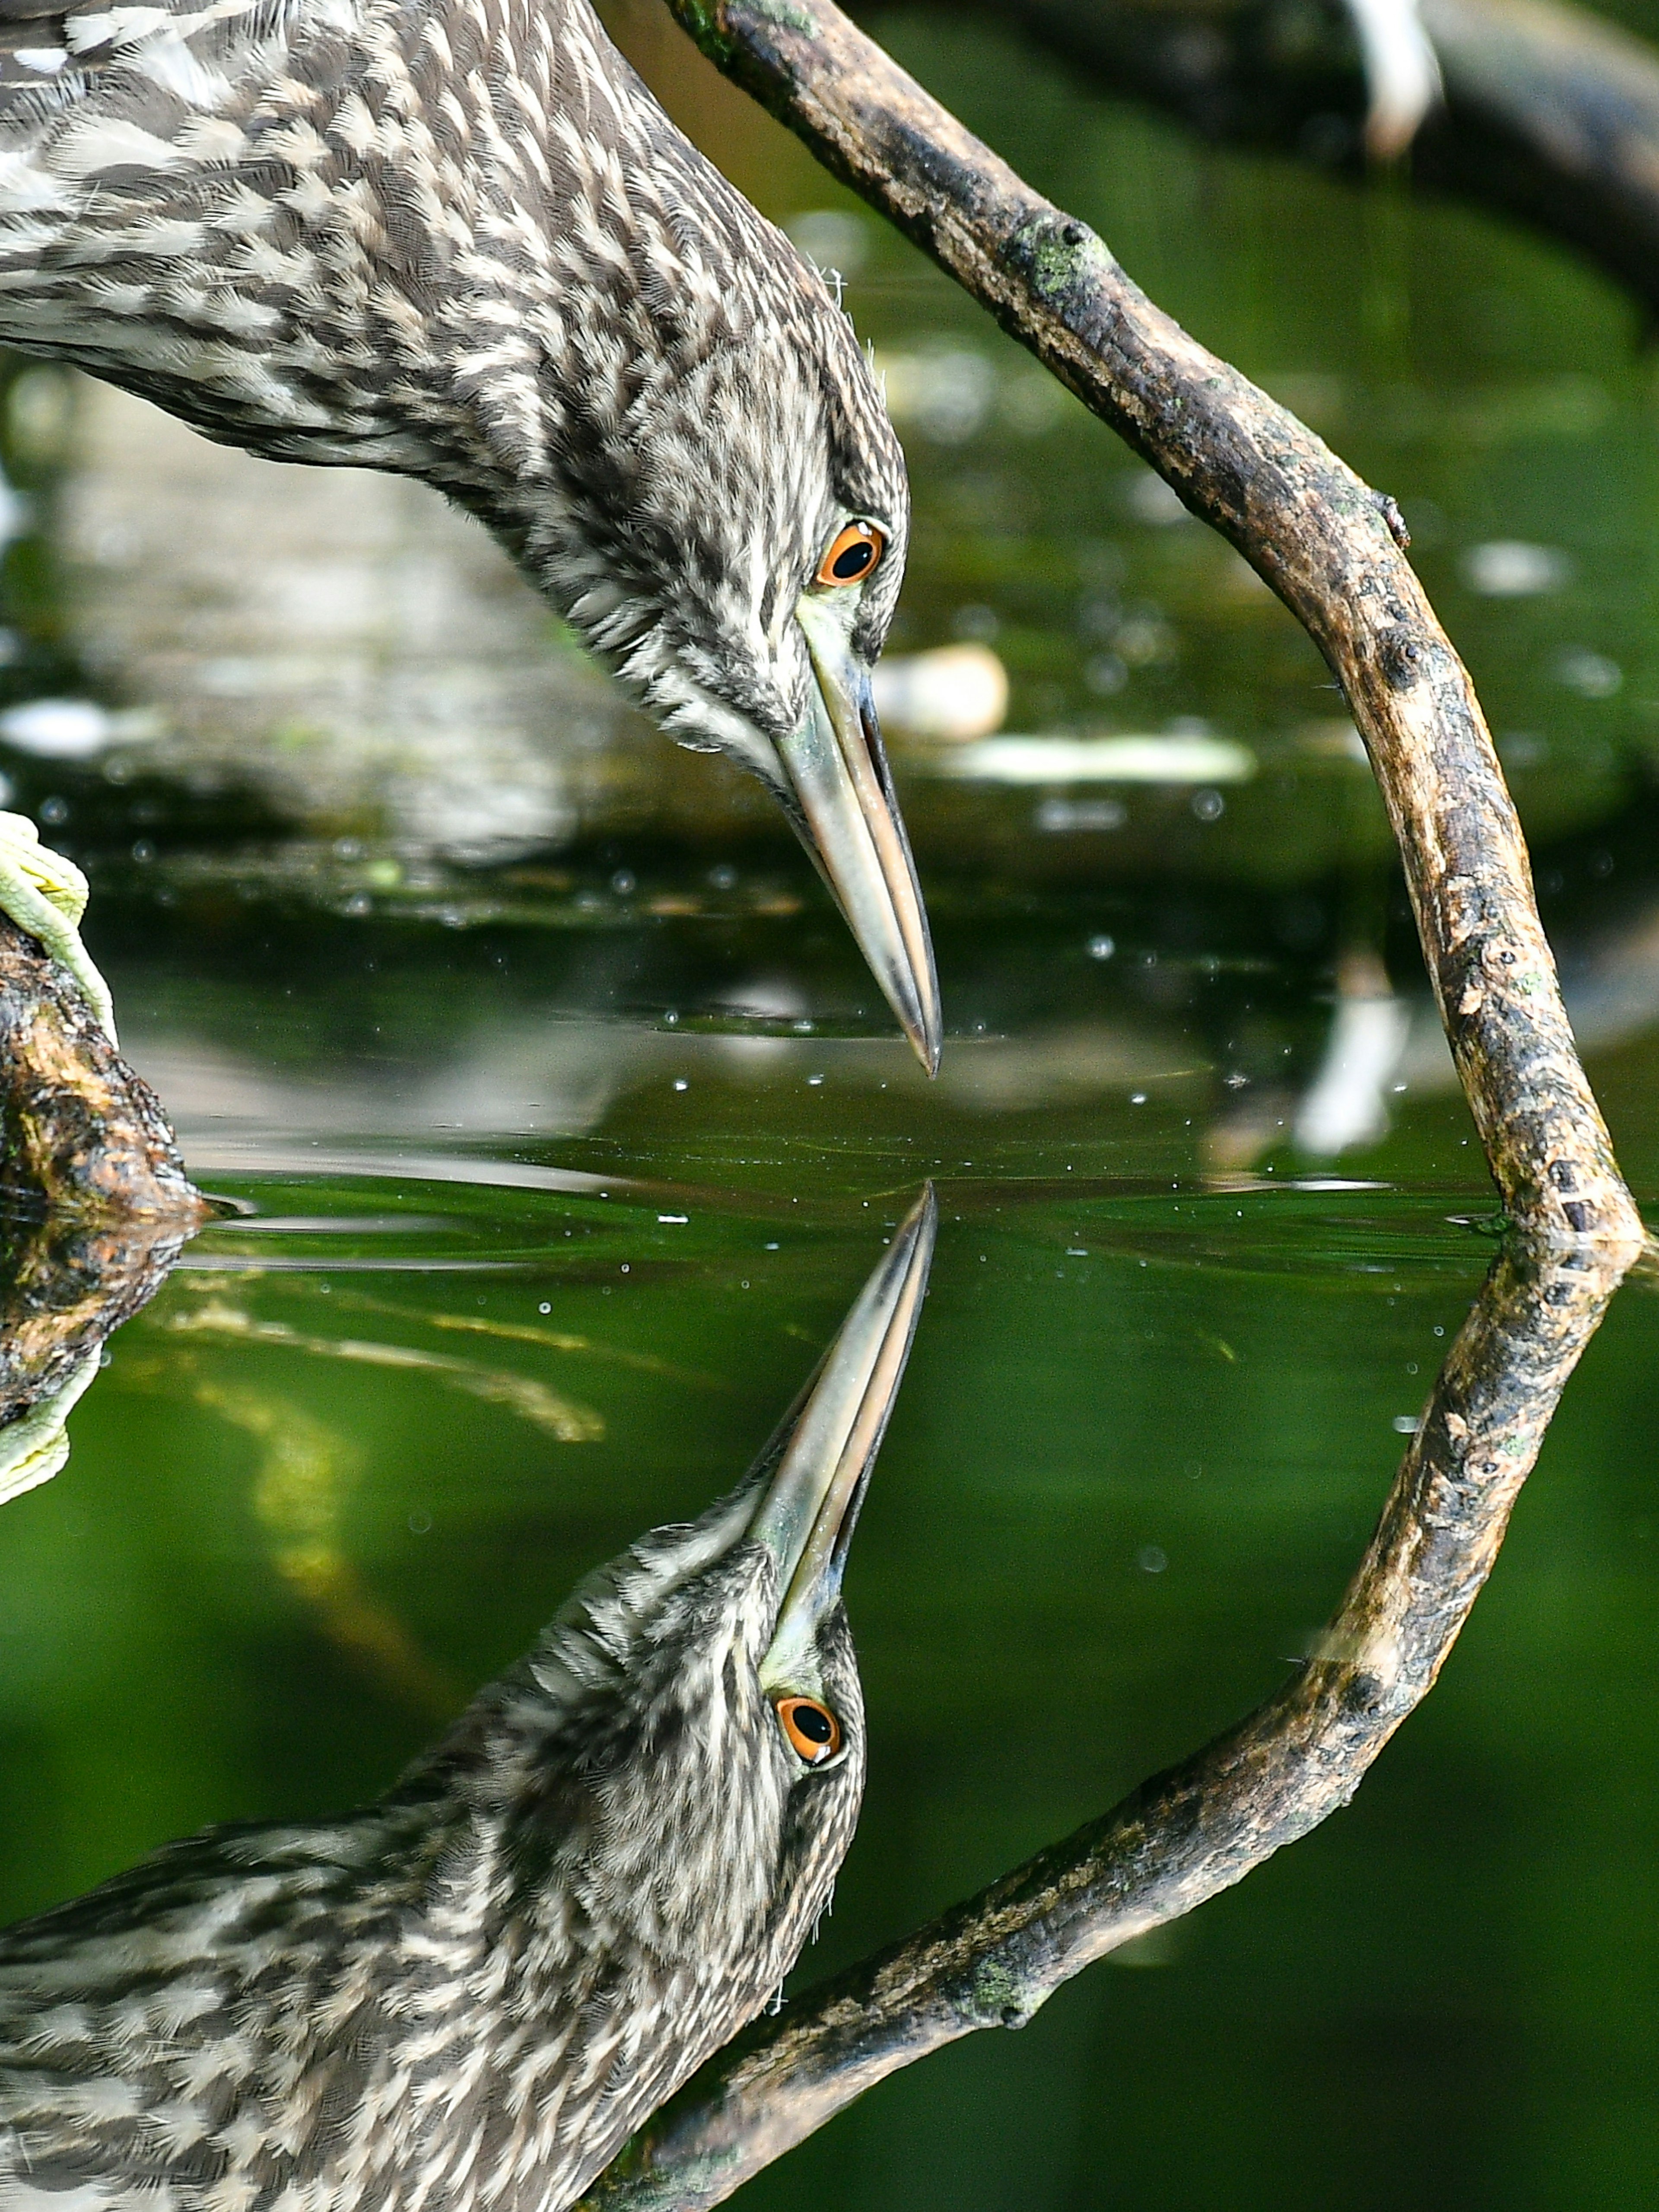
79	1133
95	1200
1327	544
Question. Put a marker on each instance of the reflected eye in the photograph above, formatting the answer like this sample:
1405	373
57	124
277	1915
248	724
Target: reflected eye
813	1731
853	552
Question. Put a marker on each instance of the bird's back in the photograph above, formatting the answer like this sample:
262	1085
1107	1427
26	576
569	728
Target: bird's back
463	1997
305	225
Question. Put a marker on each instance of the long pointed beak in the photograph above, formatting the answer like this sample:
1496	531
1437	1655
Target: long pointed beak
829	1440
850	823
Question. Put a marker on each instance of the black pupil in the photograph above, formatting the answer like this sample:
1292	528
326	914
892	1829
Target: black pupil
813	1723
852	561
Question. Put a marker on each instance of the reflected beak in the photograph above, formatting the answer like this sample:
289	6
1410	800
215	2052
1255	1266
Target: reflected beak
827	1444
849	819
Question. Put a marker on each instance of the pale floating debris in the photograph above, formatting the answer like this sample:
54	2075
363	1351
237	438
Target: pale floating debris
1146	759
74	729
1334	738
16	508
1058	816
958	693
58	729
1510	568
1523	748
1592	675
834	240
1330	1182
946	396
1153	502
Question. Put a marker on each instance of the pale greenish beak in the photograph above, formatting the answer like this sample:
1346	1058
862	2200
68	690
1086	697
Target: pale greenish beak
829	1440
849	819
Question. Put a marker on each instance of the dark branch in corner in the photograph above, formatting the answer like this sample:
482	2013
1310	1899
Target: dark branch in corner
1551	114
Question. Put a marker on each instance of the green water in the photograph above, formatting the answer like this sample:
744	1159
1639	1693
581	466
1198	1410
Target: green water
558	1166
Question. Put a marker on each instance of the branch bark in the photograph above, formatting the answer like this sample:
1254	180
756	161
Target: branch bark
94	1194
1326	544
81	1133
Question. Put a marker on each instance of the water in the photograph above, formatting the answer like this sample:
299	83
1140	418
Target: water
561	1125
336	1476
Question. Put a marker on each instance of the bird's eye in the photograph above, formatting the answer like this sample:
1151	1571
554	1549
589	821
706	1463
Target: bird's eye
813	1731
852	552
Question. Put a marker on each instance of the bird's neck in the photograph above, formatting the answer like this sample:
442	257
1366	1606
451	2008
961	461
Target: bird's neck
594	1848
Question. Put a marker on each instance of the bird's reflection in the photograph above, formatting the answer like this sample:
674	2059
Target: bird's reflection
469	1993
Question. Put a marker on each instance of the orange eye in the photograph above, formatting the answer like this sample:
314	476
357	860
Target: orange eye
853	552
813	1731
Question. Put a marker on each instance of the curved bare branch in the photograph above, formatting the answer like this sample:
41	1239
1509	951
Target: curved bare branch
1333	549
1329	546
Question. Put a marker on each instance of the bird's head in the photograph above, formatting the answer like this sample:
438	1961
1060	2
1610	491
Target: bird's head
728	533
690	1732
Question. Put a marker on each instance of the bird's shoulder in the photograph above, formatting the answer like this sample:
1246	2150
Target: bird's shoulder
211	1896
135	2019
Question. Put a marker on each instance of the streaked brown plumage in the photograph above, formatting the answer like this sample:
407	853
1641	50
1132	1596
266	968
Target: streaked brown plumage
465	1997
459	239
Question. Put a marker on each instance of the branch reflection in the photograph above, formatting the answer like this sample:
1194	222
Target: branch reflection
66	1282
1182	1835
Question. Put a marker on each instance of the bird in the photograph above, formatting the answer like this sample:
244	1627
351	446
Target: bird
466	1996
459	239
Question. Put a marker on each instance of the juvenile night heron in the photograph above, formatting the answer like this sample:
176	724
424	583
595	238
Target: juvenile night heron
459	239
465	1997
